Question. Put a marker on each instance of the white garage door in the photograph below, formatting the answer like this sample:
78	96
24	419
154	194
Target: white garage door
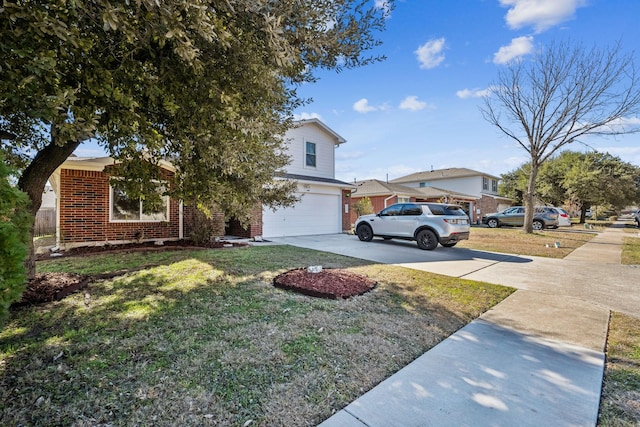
313	214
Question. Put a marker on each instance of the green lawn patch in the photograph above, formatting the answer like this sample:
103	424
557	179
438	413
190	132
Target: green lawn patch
620	402
203	338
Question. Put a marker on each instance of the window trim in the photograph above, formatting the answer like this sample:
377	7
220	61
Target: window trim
140	204
307	153
485	183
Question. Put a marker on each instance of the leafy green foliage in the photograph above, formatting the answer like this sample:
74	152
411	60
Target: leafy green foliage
580	179
209	85
364	206
14	235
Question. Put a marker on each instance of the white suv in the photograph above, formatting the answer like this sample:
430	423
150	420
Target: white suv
426	223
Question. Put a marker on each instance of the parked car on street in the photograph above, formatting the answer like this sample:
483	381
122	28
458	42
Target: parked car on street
563	217
426	223
636	217
543	217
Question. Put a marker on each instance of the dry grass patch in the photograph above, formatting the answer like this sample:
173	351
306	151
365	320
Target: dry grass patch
206	339
631	251
620	401
516	241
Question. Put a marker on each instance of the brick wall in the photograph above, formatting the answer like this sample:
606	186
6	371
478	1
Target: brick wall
346	216
253	229
84	213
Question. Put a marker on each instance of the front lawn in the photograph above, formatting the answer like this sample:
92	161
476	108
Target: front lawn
631	250
512	240
203	338
620	404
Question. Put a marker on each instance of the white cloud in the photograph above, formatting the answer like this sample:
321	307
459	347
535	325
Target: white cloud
519	46
411	103
384	6
362	106
474	93
539	14
430	54
307	116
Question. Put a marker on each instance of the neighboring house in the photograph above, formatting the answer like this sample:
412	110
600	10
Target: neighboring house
92	212
324	203
466	181
383	194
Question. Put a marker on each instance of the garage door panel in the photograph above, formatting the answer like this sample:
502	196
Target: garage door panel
314	214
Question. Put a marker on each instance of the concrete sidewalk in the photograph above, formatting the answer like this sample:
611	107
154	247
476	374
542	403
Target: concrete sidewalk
537	358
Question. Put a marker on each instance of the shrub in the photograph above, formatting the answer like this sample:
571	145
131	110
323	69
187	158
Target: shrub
364	206
15	223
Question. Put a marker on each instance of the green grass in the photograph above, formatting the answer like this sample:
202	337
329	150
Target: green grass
620	400
203	338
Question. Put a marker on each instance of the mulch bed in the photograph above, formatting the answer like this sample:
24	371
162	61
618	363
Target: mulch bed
49	287
328	283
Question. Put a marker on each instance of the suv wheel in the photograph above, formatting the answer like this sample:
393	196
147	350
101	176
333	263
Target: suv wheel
537	225
365	233
492	223
427	240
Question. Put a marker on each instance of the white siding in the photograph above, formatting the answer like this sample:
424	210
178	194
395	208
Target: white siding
325	146
471	185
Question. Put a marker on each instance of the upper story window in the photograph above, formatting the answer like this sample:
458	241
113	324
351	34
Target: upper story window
425	184
494	185
485	183
310	154
148	209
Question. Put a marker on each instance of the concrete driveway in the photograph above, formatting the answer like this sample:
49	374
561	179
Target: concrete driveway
454	261
587	274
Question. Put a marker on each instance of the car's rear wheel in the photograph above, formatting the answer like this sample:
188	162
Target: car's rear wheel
427	240
537	225
449	245
364	232
493	223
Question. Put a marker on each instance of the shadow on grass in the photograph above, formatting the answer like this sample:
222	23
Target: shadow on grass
207	338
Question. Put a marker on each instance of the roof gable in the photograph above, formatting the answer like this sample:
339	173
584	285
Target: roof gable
437	174
326	129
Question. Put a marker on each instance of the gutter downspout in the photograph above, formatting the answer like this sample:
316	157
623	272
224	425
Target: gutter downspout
388	198
181	221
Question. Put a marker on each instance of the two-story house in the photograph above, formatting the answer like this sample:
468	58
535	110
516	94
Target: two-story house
461	180
91	212
324	200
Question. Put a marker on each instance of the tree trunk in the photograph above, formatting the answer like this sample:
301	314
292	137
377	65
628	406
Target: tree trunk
529	198
33	180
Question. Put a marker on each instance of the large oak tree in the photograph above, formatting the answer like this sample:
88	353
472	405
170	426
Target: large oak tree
208	84
565	92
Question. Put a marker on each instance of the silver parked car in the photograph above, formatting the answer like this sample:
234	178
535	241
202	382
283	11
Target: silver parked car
426	223
543	217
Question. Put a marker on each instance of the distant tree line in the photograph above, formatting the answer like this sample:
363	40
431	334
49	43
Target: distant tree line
582	180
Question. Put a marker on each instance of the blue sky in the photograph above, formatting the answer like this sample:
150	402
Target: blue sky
419	109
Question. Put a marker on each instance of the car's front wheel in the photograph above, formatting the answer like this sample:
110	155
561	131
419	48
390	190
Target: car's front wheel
493	223
537	225
364	232
427	240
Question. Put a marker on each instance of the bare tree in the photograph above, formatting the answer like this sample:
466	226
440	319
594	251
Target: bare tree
565	92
